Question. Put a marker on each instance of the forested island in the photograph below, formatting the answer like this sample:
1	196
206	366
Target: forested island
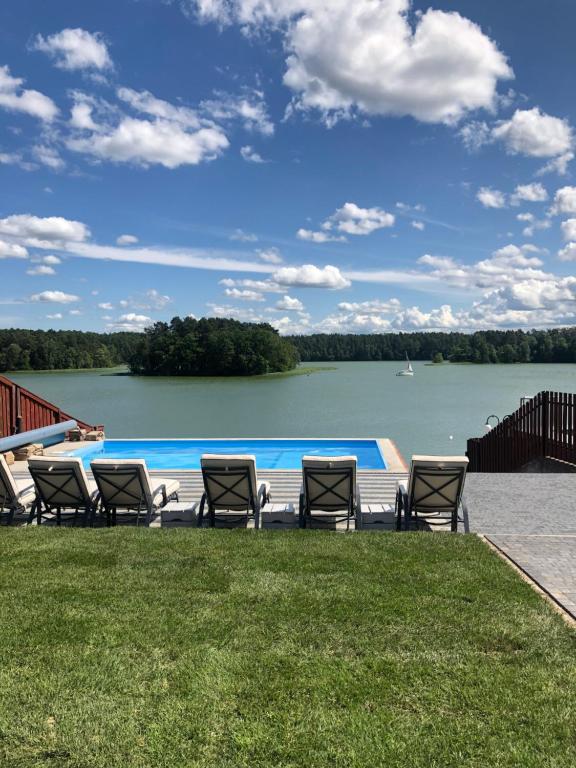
212	347
220	347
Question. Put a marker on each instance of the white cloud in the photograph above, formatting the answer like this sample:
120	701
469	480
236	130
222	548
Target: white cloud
41	269
534	133
51	260
525	217
158	142
17	99
354	220
270	255
418	225
250	155
48	156
530	193
262	286
568	253
43	232
569	229
370	55
130	322
12	251
319	237
75	49
243	294
535	225
105	305
491	198
249	108
243	237
55	316
565	200
55	297
290	304
557	165
75	312
310	276
126	240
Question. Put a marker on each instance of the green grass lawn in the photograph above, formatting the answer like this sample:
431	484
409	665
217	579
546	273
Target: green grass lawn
136	648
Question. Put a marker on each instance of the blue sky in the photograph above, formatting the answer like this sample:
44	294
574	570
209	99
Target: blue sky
352	165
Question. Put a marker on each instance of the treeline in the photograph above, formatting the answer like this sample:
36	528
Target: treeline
550	346
24	350
212	347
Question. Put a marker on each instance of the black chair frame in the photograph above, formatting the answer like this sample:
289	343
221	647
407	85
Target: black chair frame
336	476
409	513
44	502
250	506
120	479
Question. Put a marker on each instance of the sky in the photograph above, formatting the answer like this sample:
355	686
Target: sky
351	166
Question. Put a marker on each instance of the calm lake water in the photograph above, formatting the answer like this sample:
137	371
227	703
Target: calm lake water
353	400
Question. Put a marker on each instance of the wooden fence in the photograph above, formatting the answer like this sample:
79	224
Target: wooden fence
22	410
543	427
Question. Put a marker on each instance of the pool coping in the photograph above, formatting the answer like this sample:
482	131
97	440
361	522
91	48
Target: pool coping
389	452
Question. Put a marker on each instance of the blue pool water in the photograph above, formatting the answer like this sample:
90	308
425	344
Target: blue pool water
270	454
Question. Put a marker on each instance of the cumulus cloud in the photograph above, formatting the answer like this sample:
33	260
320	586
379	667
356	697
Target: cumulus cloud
126	240
491	198
262	286
12	251
270	255
105	305
369	55
249	108
564	201
569	229
530	193
130	322
74	49
55	316
350	219
169	135
243	294
43	232
418	225
250	155
290	304
41	269
535	134
310	276
319	236
55	297
568	253
557	165
17	99
48	156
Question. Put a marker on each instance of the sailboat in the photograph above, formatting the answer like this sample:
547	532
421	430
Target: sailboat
408	371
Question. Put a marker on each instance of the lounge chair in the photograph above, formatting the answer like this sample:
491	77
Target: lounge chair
434	494
61	485
15	495
329	491
126	485
231	489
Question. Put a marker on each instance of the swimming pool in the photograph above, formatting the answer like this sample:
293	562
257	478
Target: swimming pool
270	454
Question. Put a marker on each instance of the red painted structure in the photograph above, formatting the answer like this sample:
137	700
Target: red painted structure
542	428
22	409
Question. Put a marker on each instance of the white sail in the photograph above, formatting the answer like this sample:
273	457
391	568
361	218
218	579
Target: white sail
408	371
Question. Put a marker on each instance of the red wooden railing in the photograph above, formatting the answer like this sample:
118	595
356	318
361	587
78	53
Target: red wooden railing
543	427
22	410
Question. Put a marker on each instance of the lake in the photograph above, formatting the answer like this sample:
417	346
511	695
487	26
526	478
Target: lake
420	414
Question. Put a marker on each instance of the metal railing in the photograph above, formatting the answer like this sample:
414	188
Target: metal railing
22	410
543	427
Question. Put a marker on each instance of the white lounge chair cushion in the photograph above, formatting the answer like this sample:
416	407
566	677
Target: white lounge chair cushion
239	497
420	489
332	500
77	491
143	487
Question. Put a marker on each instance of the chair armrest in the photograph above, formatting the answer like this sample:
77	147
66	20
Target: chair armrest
358	510
200	517
264	494
465	513
401	506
